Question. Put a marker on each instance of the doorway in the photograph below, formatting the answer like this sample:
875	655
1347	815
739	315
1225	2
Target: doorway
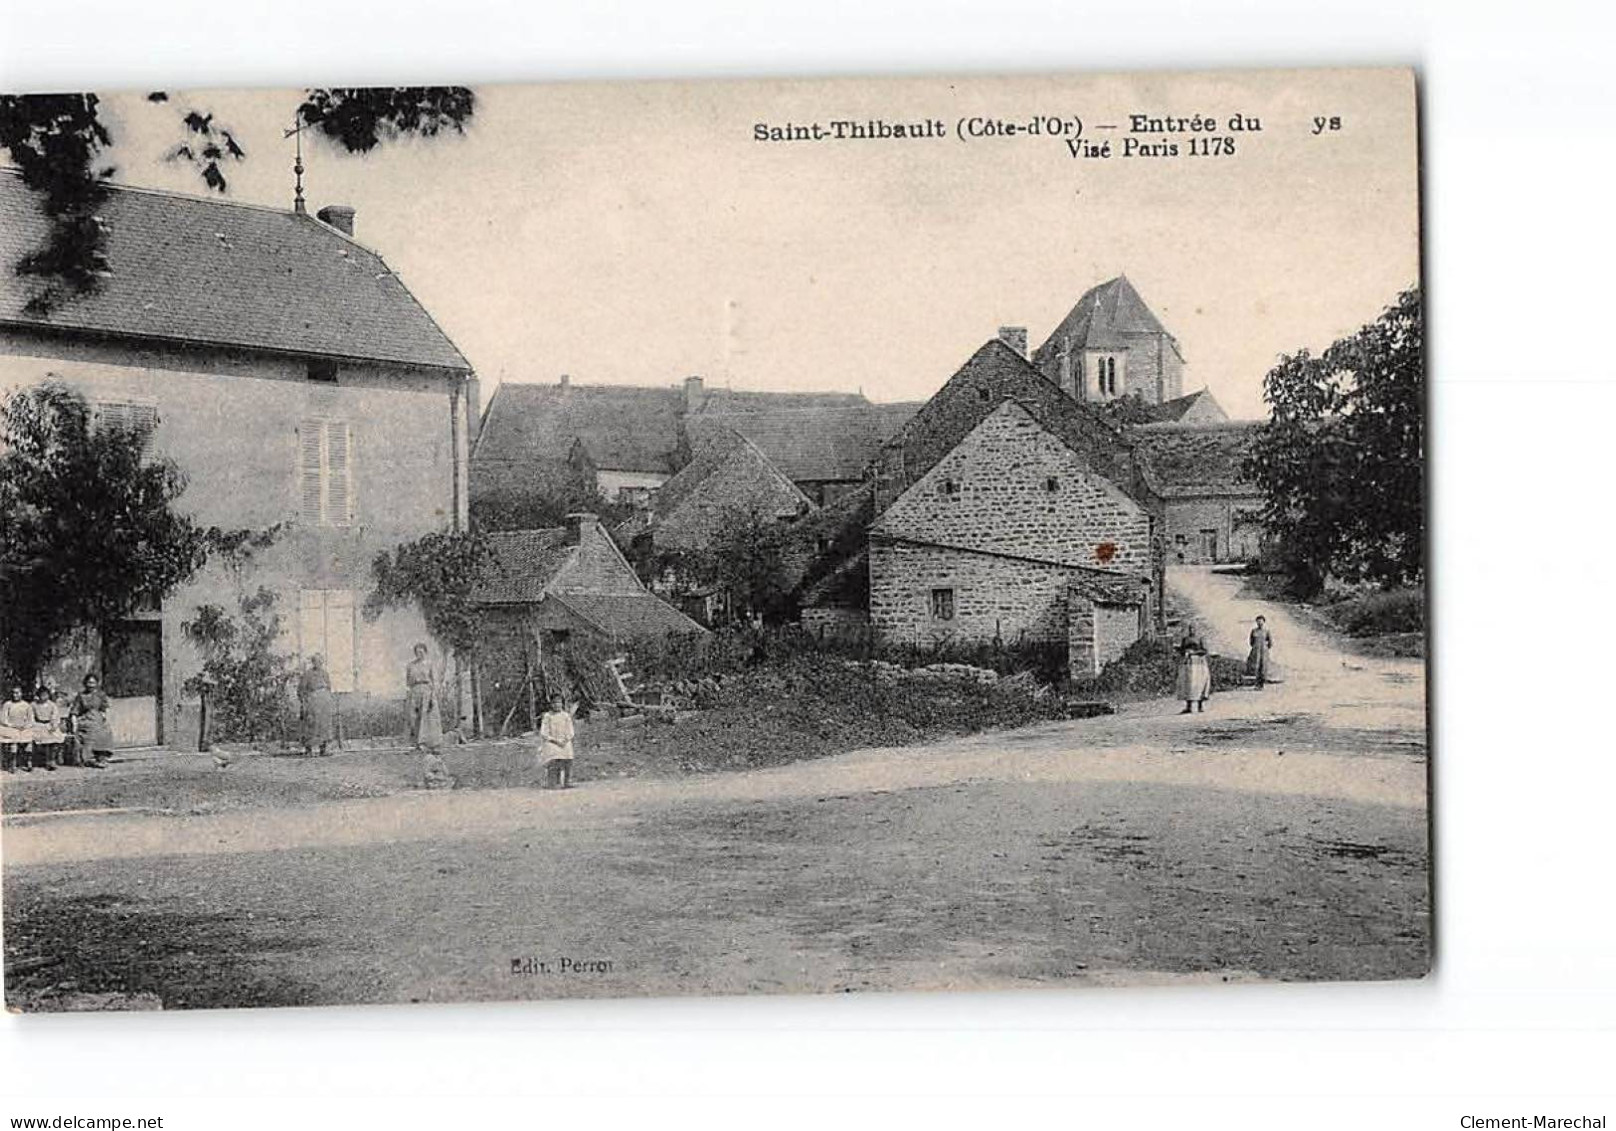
132	676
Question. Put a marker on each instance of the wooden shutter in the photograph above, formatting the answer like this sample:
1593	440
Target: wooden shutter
338	473
310	470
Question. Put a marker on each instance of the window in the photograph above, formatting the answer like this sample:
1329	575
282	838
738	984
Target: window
325	472
323	371
1052	484
949	487
127	416
326	629
984	394
942	604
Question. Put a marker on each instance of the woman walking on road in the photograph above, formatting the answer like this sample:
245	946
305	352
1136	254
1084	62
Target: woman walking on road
1257	662
316	707
1194	674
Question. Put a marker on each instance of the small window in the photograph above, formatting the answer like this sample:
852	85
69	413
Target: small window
323	371
949	487
1052	484
942	604
983	395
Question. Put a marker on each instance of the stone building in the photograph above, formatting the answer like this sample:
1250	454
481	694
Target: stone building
1111	345
296	382
1013	537
1211	511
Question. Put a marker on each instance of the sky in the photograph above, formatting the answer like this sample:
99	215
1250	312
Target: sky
638	234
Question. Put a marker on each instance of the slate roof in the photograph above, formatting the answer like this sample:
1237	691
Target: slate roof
812	443
1135	410
1189	460
626	616
205	271
1102	319
728	471
723	400
622	427
525	562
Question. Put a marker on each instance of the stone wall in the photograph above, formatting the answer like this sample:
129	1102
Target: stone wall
1097	633
993	597
1012	488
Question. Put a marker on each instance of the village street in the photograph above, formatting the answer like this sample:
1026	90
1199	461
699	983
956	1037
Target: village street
1282	834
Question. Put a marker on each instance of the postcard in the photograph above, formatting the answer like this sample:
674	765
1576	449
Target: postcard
697	538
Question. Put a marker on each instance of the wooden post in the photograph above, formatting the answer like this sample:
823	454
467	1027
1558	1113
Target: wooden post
532	703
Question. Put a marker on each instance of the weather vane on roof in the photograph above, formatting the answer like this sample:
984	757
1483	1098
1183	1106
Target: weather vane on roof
297	168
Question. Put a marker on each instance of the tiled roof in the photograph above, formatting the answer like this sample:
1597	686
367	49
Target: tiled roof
196	270
1184	460
525	561
723	400
630	616
728	474
622	427
1101	319
809	444
1134	409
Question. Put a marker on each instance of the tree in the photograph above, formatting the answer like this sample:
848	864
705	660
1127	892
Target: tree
750	558
244	673
438	574
1342	462
91	532
58	141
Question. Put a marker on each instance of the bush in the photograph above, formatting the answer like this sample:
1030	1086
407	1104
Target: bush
1379	613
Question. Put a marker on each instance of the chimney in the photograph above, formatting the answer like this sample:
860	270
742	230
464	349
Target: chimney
566	382
580	525
1015	337
338	216
695	394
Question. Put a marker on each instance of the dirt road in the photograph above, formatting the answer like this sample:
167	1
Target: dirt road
1280	835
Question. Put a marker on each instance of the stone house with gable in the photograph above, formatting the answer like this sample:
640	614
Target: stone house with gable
1013	537
292	376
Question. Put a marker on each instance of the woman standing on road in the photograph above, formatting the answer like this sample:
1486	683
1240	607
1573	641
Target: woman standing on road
91	731
555	732
1257	663
420	683
316	708
1194	674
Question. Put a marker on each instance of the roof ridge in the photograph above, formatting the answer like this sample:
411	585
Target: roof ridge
176	194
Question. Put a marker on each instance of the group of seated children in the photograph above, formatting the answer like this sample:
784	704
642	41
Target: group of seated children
47	732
